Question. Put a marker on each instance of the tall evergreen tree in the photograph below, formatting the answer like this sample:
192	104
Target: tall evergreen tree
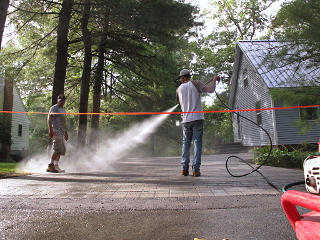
297	26
5	120
4	4
62	49
128	41
98	80
86	72
298	22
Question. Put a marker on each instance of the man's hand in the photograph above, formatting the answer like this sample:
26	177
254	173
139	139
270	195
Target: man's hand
216	78
66	136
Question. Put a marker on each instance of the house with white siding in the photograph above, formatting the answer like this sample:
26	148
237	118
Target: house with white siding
19	122
256	73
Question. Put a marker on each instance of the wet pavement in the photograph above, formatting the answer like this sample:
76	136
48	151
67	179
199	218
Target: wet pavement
146	198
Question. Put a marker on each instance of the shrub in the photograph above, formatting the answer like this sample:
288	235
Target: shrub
281	157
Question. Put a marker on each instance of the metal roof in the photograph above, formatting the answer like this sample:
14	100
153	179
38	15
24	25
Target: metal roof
284	71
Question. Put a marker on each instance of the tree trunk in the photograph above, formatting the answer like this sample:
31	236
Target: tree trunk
85	79
97	98
62	50
3	15
111	86
7	119
98	83
105	82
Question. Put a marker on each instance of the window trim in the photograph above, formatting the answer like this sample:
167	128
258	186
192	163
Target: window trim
20	129
245	78
259	113
239	126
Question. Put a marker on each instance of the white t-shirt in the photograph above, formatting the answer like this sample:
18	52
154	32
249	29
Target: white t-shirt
190	100
58	120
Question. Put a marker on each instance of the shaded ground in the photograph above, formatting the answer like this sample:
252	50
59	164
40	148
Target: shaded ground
147	199
265	221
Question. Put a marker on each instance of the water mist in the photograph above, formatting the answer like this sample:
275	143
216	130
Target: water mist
109	151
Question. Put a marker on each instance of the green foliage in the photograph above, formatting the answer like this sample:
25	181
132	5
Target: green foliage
132	42
236	20
245	17
218	126
298	21
282	156
8	167
154	21
38	139
296	96
142	41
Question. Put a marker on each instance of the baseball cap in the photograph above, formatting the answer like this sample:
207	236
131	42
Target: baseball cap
184	72
61	97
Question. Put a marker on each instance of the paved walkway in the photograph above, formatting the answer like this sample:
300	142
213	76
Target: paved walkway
142	178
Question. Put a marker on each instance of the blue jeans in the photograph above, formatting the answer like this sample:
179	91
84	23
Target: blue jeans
192	130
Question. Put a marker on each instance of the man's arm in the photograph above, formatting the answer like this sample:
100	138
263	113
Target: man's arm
49	123
212	87
177	96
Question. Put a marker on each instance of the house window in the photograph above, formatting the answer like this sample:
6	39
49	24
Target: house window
245	81
20	130
259	113
310	113
245	78
239	129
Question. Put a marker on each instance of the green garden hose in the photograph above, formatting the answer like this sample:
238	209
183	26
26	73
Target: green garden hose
286	187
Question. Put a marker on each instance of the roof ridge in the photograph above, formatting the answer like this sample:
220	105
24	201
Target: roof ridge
279	73
261	40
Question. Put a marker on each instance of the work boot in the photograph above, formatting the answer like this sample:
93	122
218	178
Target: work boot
58	169
184	172
196	174
51	168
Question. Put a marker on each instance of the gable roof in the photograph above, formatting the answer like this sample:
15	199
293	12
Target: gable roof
282	71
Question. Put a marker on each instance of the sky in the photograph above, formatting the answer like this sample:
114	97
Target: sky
205	5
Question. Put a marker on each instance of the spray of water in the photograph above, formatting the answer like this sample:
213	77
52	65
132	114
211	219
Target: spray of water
110	150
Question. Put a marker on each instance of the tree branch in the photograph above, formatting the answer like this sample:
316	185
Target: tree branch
32	12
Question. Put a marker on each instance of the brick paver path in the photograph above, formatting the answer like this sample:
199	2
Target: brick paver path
139	178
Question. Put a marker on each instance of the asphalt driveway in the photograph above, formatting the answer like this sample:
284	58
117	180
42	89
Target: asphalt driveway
146	198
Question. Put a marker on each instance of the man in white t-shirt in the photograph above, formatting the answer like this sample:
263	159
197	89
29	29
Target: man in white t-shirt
189	98
57	132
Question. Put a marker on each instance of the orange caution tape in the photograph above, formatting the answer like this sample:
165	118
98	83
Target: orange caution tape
155	113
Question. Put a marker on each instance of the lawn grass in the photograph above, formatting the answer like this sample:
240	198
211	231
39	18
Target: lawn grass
9	169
